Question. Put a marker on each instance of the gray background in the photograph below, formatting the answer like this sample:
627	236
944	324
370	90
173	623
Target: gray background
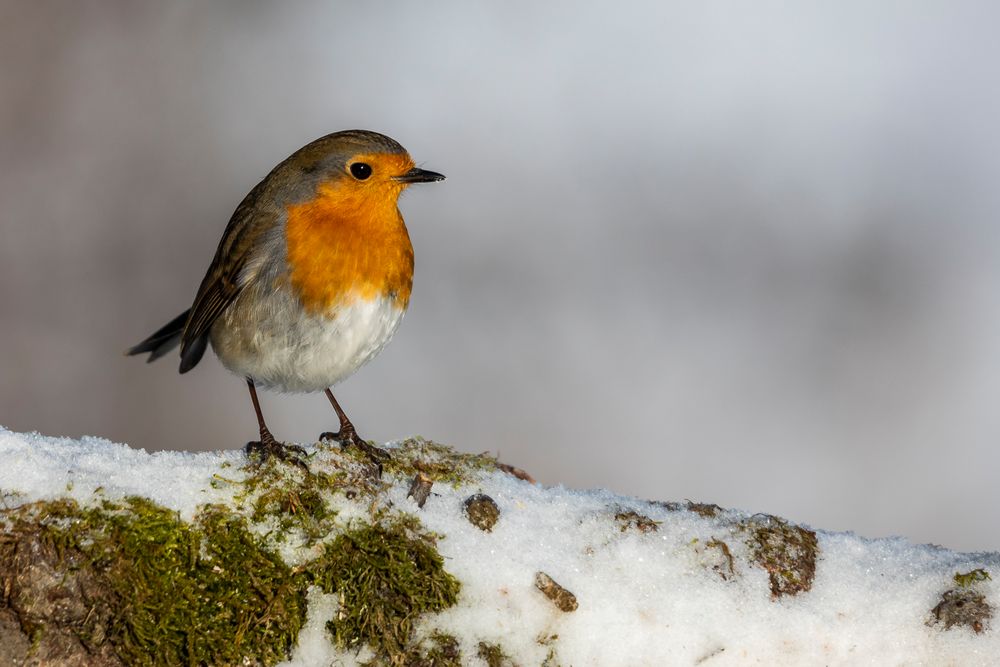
742	253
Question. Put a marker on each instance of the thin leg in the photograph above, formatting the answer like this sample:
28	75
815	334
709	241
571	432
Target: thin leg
267	445
256	408
348	436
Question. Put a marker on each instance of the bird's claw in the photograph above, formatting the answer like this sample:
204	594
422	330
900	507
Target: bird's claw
267	447
351	439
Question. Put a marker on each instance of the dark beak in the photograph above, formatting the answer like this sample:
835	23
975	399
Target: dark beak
418	175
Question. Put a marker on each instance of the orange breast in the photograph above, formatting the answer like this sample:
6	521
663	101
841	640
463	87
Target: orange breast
349	243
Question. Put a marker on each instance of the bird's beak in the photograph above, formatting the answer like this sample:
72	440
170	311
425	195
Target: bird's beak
418	175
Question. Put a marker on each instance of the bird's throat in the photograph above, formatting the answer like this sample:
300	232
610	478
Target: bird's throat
348	244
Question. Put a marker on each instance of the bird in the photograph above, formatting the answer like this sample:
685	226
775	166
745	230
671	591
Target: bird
310	280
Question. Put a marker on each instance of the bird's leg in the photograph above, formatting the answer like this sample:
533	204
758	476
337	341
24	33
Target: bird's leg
267	446
347	436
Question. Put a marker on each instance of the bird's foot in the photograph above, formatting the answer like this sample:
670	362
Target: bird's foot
349	438
267	447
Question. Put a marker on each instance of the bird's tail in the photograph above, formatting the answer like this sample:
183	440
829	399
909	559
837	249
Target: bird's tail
165	339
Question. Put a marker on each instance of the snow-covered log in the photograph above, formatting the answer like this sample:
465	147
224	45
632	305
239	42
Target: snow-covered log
110	556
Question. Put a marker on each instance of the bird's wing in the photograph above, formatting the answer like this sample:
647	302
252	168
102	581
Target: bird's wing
225	278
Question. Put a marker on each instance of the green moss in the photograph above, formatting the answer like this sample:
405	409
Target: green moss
439	462
493	655
632	520
707	510
725	564
214	590
166	592
438	650
157	590
551	660
969	579
295	500
162	591
386	576
787	552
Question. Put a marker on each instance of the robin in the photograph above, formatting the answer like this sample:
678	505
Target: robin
310	280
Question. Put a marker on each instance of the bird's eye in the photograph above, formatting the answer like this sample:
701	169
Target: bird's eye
361	170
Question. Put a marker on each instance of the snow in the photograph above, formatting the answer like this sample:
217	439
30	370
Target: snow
42	468
645	598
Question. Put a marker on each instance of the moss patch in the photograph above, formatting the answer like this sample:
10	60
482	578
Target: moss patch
131	583
970	579
631	520
295	500
493	655
386	575
723	564
158	590
964	606
707	510
440	463
787	552
438	650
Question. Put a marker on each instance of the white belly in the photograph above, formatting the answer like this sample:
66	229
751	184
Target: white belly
286	349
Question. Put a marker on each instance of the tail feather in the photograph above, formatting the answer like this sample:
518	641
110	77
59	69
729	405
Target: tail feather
165	339
191	353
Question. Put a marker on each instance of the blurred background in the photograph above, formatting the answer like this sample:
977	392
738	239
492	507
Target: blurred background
738	253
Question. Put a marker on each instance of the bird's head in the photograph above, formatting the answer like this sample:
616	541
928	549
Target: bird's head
359	167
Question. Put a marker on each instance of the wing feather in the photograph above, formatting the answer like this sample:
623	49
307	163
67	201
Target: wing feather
223	281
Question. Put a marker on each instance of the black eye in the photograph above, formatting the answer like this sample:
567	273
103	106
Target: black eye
361	170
